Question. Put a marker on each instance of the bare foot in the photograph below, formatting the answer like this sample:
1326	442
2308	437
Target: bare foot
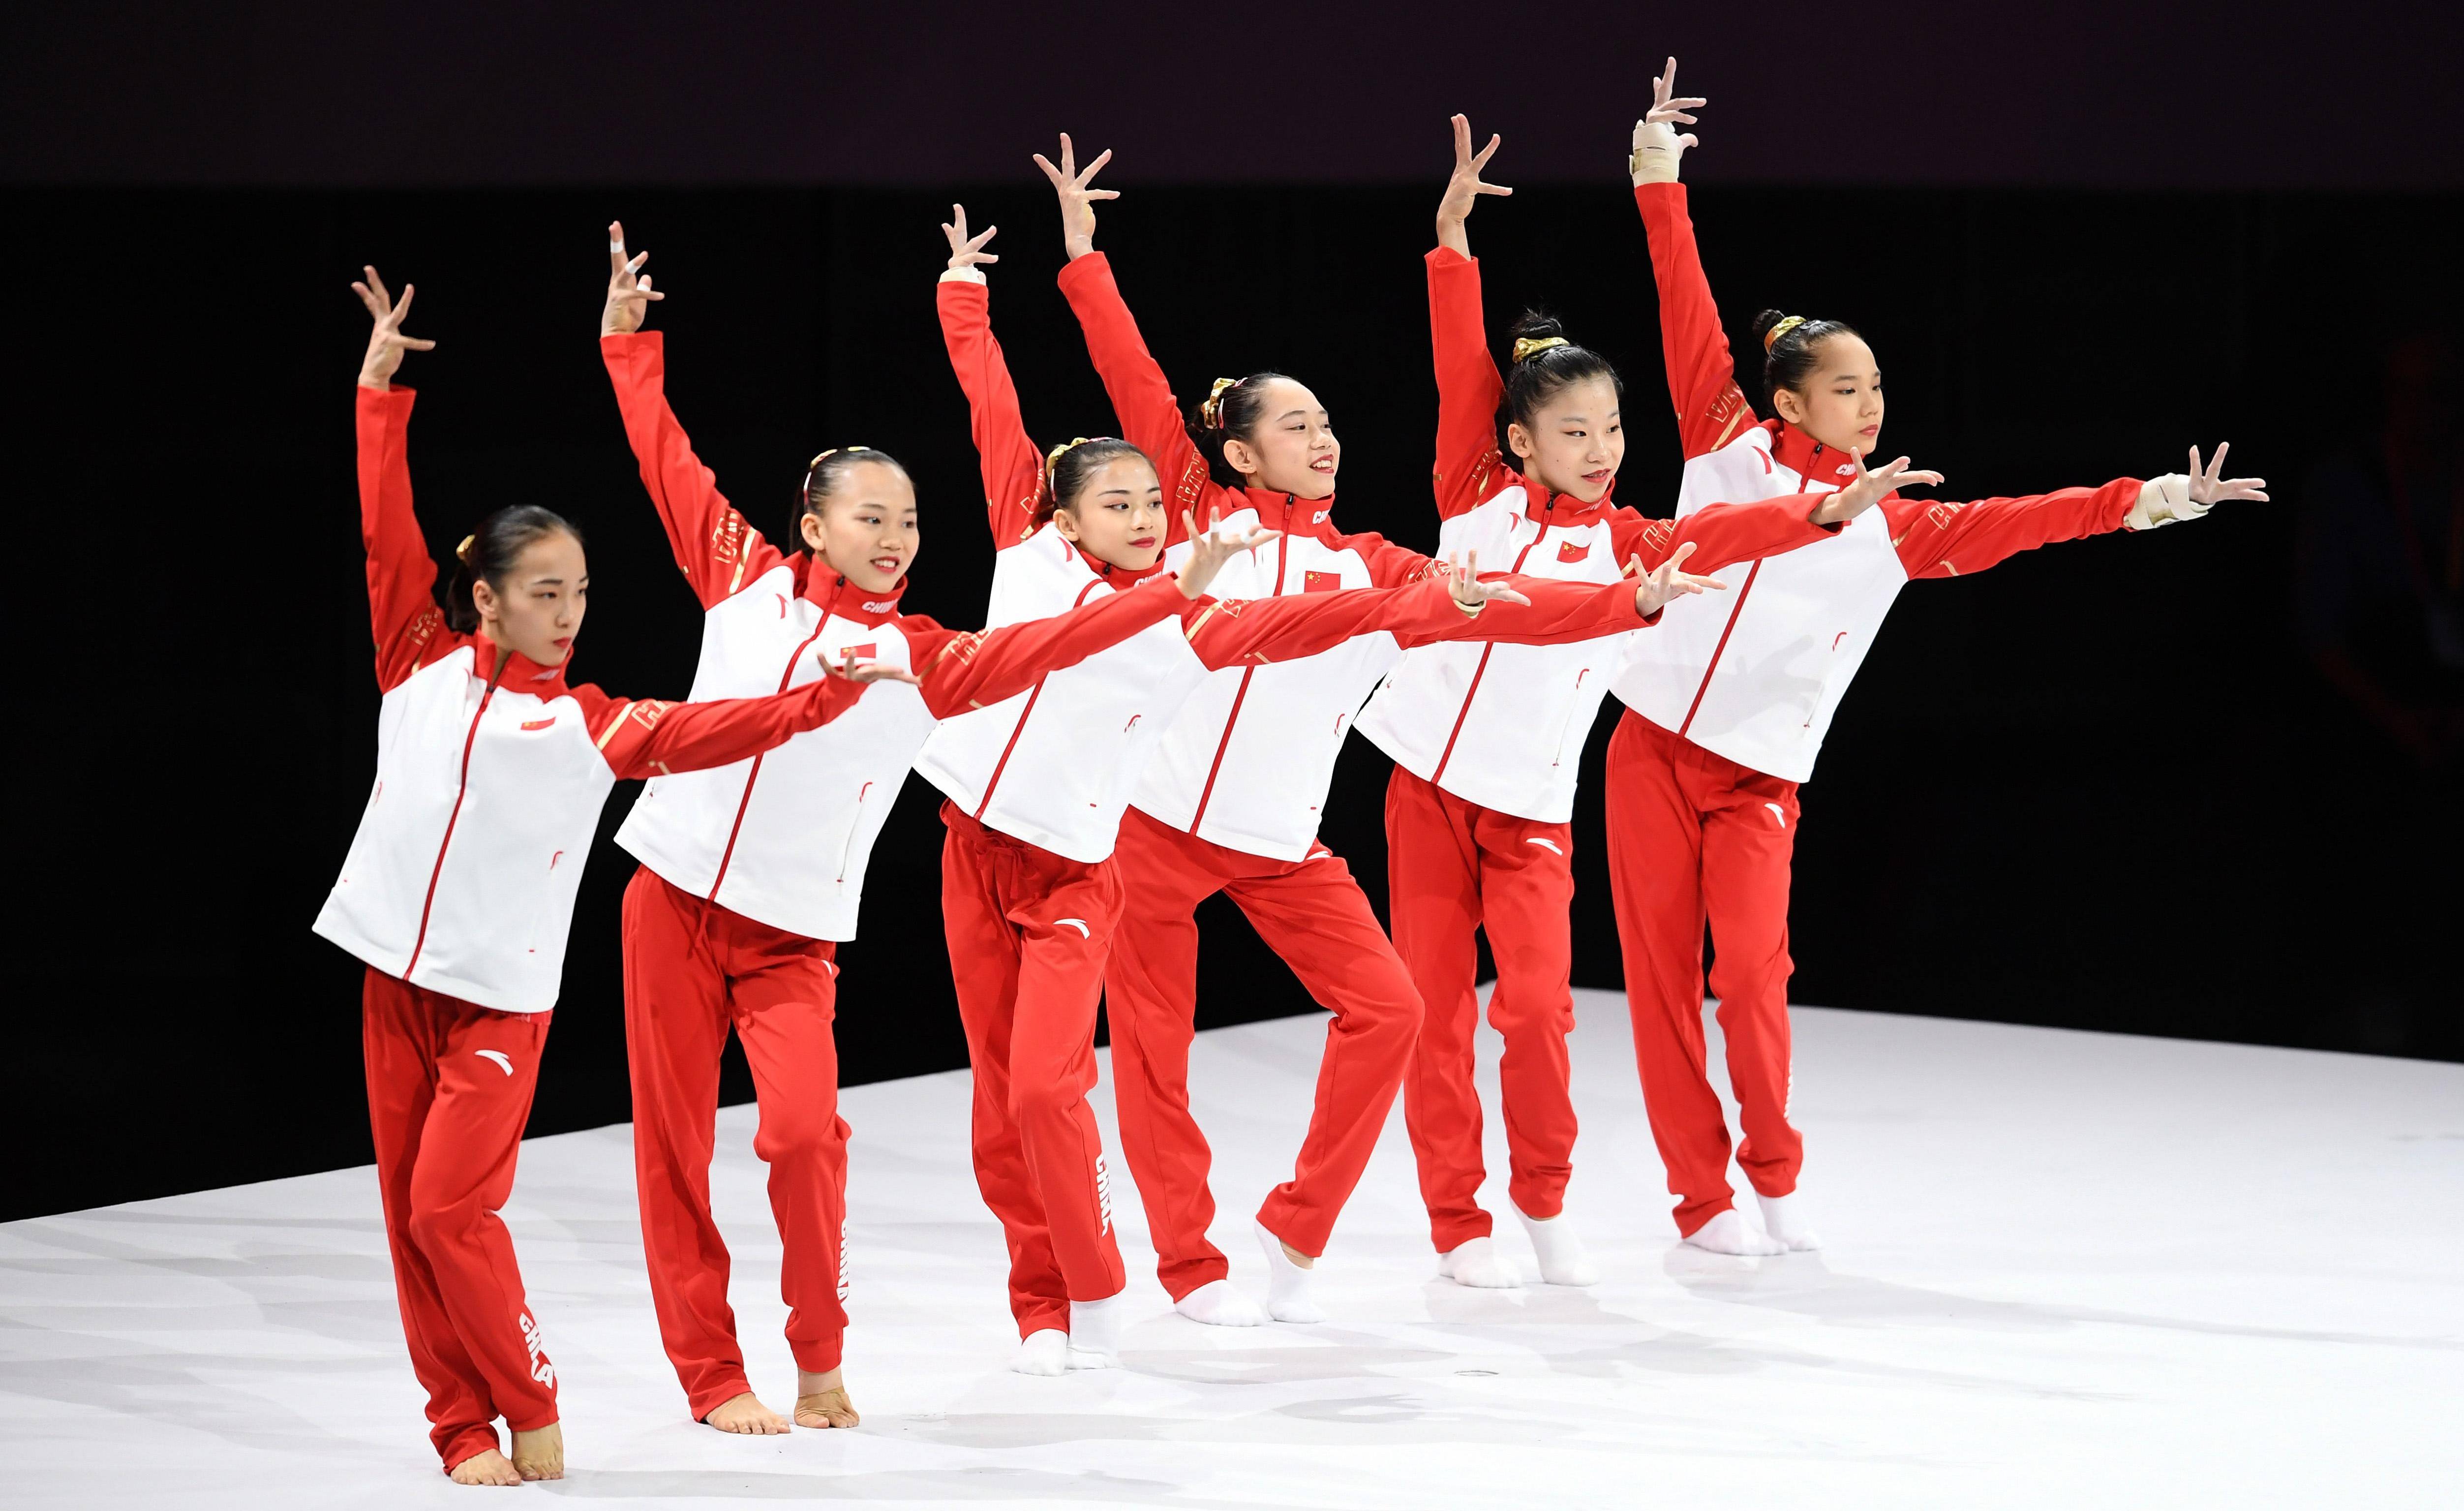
822	1400
486	1467
746	1414
541	1454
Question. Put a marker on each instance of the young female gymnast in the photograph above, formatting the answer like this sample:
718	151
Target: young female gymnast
1231	803
458	894
1036	787
752	874
1727	707
1487	741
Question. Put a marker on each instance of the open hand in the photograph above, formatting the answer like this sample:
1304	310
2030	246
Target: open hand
1470	593
1658	146
387	343
1871	488
967	252
628	288
1077	200
1657	588
1464	189
2209	487
870	672
1209	551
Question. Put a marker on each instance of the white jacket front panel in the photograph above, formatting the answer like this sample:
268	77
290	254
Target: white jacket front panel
1756	673
1504	726
1261	790
783	838
1055	765
463	873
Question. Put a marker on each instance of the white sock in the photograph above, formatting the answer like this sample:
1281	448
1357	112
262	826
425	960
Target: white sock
1785	1220
1730	1233
1476	1262
1288	1284
1045	1351
1563	1258
1216	1304
1096	1331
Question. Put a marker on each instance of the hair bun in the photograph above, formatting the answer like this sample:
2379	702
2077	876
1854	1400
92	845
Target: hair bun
467	552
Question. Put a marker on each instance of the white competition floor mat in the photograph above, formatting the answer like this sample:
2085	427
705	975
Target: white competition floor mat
2062	1269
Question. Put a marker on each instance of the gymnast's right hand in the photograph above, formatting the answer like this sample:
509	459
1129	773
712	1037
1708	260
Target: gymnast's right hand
628	288
387	343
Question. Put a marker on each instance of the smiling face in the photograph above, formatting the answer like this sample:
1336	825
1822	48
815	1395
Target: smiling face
866	531
1840	402
1291	448
537	607
1116	515
1575	442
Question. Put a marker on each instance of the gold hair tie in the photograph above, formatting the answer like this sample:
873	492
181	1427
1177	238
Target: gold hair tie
1210	412
1525	345
1052	457
462	552
1771	337
815	465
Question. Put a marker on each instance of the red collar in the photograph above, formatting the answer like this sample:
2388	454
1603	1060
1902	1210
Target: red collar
1545	508
1290	512
1115	575
1809	458
825	586
521	674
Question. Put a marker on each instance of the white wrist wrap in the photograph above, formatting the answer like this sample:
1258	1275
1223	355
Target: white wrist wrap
963	276
2162	500
1654	155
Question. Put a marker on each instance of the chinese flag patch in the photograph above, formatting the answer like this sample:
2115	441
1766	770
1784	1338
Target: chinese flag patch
539	724
869	650
1571	551
1321	582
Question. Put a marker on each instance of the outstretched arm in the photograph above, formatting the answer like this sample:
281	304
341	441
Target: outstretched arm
408	627
1702	374
1013	470
1955	540
1142	400
1469	467
715	548
977	668
650	737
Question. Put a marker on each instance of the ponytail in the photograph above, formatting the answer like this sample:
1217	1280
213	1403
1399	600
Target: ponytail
491	551
1231	412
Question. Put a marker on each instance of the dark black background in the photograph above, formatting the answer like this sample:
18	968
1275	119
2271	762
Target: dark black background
2099	786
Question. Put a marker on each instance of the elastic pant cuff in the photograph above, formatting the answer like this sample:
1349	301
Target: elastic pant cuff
819	1357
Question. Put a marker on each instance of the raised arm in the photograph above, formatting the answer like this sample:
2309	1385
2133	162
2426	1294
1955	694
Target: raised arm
1013	469
1142	400
408	627
1955	540
1469	387
1702	374
650	737
716	548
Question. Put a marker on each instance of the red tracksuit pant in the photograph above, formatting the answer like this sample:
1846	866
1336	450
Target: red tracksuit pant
450	1087
1694	838
693	970
1028	930
1311	913
1452	867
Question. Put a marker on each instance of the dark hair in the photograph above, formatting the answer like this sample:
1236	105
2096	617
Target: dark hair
1070	471
1787	362
491	551
822	478
1547	370
1238	410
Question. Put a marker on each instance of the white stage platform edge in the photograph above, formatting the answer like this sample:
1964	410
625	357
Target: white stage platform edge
2063	1270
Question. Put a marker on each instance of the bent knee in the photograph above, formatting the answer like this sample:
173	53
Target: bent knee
800	1140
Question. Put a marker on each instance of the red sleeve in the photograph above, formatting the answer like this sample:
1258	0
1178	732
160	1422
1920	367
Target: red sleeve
714	547
650	737
1142	400
1702	374
965	669
1232	631
1559	613
1013	469
1953	540
1722	534
1469	389
402	576
1390	565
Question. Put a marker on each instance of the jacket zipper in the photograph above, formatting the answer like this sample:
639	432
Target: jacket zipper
1729	629
1019	729
847	851
1283	558
754	775
1479	671
428	903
